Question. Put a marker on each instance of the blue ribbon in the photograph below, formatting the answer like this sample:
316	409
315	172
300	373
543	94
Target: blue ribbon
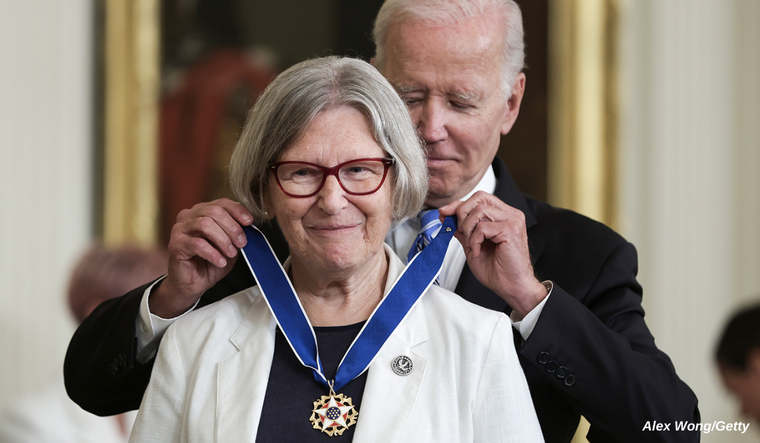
286	307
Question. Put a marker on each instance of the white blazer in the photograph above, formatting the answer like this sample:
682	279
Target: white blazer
211	373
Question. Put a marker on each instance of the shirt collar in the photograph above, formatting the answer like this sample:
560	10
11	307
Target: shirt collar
487	184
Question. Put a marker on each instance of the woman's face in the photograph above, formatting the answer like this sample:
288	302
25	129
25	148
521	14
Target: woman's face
333	230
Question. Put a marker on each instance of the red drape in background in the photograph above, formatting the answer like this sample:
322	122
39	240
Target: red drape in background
191	120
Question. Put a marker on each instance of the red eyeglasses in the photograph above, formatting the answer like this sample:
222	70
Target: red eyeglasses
357	177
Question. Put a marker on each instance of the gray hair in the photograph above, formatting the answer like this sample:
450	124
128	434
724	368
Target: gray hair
296	97
436	12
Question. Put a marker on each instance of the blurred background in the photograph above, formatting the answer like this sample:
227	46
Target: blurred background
643	114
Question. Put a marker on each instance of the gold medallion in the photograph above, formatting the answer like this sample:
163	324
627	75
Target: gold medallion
334	413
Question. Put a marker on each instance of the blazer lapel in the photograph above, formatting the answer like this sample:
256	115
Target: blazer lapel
388	398
242	378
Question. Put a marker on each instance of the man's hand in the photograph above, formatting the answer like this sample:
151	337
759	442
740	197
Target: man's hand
495	241
203	249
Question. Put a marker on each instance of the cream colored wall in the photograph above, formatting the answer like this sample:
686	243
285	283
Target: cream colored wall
45	181
689	187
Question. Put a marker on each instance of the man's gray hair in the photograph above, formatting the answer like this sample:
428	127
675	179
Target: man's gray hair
296	97
438	12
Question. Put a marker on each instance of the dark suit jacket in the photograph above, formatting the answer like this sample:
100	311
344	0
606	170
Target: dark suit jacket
590	353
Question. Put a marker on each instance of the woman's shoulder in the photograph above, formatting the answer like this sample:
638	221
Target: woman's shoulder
456	315
221	317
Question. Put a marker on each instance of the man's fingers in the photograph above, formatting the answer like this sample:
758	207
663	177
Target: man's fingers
187	248
484	218
482	231
228	223
210	231
496	232
236	210
481	213
449	209
203	218
477	199
480	207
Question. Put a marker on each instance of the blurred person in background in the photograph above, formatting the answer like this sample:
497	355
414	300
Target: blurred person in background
738	357
49	415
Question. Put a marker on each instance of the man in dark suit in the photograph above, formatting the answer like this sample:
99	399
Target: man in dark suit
567	282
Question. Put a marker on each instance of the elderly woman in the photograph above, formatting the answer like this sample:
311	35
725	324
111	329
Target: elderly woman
341	342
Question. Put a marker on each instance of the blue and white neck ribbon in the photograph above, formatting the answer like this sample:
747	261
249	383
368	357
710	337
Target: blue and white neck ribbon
288	311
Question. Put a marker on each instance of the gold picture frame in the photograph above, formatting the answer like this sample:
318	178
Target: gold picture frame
583	106
130	135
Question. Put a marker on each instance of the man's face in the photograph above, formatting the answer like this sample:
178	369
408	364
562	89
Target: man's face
449	76
745	385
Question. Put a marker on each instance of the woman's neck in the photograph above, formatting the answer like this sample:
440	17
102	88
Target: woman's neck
343	298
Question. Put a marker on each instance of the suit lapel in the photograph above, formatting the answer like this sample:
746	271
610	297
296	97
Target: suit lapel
388	398
468	286
242	378
506	190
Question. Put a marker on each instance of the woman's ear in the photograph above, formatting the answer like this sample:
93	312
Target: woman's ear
268	212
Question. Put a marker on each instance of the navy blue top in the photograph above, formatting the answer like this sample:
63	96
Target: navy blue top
292	390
